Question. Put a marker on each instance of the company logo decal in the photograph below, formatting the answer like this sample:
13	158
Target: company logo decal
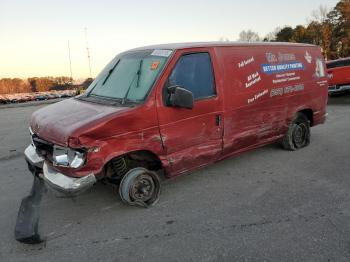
308	57
280	57
319	70
279	68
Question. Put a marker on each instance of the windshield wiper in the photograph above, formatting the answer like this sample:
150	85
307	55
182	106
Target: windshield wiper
138	73
88	94
110	72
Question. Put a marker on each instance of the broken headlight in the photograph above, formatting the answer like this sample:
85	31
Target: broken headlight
67	157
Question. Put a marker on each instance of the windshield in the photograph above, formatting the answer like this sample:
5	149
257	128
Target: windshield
130	76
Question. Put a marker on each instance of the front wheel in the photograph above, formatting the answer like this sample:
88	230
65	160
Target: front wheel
298	134
140	186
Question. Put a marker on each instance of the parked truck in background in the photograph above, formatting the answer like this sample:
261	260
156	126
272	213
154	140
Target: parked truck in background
339	76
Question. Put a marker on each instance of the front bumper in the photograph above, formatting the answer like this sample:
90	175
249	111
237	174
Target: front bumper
338	89
33	158
70	186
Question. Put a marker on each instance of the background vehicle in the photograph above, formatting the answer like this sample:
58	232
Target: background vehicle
339	75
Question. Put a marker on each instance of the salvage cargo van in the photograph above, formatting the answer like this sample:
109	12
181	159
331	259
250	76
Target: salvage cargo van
176	108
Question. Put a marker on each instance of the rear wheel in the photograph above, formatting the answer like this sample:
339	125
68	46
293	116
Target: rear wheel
298	135
140	186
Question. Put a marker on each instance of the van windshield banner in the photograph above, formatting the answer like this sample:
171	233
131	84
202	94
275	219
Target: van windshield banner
278	68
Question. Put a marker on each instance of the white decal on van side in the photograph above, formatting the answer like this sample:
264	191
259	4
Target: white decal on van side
253	79
280	57
246	62
308	57
291	89
319	70
286	77
271	58
286	57
276	92
283	80
286	90
323	83
257	96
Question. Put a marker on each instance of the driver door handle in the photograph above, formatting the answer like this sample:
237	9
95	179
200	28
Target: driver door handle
218	120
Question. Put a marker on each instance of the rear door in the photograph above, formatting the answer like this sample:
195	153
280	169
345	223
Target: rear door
192	137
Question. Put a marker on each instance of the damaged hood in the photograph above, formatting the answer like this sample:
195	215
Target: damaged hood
58	122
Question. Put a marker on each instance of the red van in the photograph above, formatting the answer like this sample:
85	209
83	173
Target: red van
339	75
176	108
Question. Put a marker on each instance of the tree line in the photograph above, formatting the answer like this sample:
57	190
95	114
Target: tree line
39	84
328	28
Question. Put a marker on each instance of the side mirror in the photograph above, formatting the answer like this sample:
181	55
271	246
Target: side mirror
180	97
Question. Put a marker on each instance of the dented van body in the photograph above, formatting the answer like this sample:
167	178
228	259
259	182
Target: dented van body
177	108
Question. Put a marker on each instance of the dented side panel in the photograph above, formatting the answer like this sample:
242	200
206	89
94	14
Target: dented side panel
129	130
265	87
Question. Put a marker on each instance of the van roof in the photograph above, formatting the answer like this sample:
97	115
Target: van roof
174	46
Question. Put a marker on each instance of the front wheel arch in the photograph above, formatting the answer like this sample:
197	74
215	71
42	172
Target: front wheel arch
119	165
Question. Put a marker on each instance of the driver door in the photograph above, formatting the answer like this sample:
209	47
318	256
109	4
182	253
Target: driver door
192	137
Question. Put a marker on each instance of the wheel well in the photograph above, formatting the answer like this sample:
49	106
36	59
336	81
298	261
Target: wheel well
118	166
150	160
309	114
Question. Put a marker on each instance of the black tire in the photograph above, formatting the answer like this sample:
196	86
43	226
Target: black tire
140	186
298	134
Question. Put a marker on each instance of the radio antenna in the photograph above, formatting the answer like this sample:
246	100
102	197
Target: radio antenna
70	63
88	50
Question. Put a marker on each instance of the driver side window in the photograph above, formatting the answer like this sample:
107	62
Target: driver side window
194	72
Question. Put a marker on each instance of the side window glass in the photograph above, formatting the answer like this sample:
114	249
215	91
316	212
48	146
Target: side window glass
336	64
195	73
347	62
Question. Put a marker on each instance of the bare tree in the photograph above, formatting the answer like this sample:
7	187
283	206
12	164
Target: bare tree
224	39
320	18
320	15
272	36
249	36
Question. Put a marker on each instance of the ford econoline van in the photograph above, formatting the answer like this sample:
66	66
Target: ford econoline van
170	109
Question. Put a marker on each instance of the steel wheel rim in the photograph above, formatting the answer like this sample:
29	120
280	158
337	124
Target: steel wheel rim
299	135
130	184
143	188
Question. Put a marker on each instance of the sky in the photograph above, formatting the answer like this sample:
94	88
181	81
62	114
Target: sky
34	34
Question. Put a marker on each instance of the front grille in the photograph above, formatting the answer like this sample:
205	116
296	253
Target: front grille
43	147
